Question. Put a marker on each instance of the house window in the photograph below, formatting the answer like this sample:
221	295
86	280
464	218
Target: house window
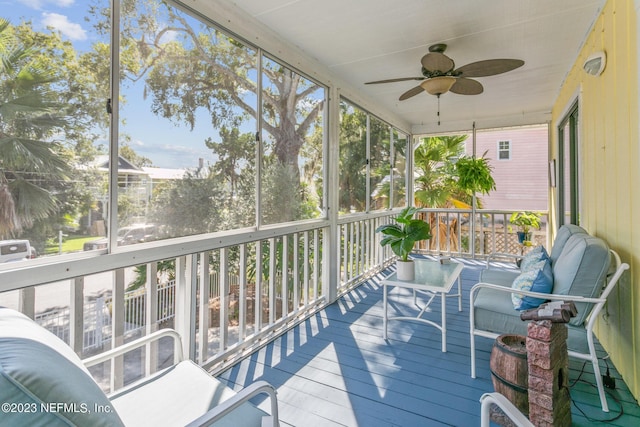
504	150
568	173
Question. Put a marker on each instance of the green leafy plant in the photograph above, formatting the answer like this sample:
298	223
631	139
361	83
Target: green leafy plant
525	220
405	233
474	175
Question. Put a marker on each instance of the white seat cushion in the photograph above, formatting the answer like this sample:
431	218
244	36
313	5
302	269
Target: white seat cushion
177	396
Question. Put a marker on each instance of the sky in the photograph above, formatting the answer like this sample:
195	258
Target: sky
166	144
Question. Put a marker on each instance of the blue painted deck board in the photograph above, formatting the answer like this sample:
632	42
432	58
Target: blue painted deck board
335	369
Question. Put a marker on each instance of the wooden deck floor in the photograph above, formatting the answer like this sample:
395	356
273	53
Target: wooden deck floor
335	369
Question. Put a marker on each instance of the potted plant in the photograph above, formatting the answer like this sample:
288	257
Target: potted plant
474	175
402	236
525	220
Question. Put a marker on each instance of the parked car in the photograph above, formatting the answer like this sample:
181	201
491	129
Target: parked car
137	233
16	250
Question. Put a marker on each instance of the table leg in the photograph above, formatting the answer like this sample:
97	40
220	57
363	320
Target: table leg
444	322
384	310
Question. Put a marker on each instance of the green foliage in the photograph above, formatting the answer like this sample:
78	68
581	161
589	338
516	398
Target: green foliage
129	153
474	175
403	235
30	115
167	266
353	159
525	220
434	158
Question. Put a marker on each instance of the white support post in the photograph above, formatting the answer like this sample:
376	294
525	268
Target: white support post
285	275
272	281
326	291
185	303
76	314
224	298
151	317
242	297
117	328
296	272
305	274
205	291
345	252
27	301
258	288
353	256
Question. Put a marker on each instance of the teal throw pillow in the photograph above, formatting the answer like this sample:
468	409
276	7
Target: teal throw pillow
535	255
539	278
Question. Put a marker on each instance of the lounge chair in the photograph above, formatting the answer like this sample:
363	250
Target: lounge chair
43	382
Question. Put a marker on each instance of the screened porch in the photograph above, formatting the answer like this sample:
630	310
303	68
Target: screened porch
242	138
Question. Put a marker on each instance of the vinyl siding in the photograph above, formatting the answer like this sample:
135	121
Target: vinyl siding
609	169
522	181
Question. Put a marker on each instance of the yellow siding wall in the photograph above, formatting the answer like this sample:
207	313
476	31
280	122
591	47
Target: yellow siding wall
609	169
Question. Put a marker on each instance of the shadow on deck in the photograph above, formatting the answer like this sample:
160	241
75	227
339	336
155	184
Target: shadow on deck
335	368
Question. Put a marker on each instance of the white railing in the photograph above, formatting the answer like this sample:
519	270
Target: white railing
97	317
260	282
452	229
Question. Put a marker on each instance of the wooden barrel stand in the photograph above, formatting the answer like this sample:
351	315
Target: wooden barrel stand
510	373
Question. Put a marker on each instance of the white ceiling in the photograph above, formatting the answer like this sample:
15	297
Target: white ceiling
365	40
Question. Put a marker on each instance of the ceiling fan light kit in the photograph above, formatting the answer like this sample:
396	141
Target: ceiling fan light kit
438	85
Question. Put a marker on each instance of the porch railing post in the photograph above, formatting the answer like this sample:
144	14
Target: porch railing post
185	318
151	316
205	295
76	315
117	328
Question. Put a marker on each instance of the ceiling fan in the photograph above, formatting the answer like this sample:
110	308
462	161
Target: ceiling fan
439	75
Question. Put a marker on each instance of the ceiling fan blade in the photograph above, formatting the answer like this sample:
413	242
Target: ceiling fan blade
489	67
464	86
401	79
436	61
411	92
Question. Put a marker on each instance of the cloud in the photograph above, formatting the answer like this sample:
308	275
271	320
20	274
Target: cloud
169	155
62	24
39	4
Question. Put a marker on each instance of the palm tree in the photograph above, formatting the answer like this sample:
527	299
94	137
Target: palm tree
29	116
436	185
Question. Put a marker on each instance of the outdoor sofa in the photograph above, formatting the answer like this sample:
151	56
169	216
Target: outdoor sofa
582	269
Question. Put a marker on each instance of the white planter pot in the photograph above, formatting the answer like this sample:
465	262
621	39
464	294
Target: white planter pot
405	270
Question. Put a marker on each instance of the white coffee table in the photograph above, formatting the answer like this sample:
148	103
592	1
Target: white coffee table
433	278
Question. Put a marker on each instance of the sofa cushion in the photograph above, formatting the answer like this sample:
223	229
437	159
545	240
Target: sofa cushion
39	370
535	255
154	402
494	313
539	278
581	270
562	236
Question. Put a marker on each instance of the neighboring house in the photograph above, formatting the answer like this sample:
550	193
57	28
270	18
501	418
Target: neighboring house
135	182
519	157
160	175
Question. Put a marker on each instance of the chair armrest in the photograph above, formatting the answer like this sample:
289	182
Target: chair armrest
541	295
503	403
125	348
243	396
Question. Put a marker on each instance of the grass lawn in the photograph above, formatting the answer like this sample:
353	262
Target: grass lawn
69	244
